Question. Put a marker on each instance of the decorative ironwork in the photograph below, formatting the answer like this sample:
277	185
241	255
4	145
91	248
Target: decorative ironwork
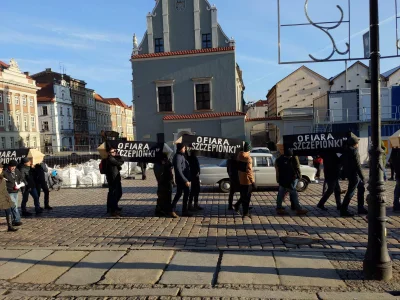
326	29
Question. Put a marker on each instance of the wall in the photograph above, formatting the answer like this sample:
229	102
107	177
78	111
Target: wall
349	108
394	79
356	76
181	69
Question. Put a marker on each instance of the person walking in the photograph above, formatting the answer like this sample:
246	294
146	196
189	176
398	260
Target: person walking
391	163
28	177
14	182
194	166
331	175
395	157
233	172
165	181
143	168
6	203
246	179
113	167
384	149
317	164
352	170
287	175
41	183
182	178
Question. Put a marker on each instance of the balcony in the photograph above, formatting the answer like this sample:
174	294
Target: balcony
297	112
67	131
354	115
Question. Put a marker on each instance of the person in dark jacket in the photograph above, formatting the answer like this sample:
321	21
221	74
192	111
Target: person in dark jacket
194	166
182	178
233	172
28	176
395	156
392	164
143	168
41	183
332	169
14	183
317	161
113	168
288	174
352	171
165	182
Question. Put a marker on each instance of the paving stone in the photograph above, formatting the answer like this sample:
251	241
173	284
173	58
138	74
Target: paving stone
139	266
27	294
262	294
52	267
122	293
248	268
191	268
355	296
19	265
2	292
90	269
306	269
9	254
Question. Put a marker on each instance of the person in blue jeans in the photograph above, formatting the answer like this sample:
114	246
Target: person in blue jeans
6	203
395	157
30	188
287	175
13	178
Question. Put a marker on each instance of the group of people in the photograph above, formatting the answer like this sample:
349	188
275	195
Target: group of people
29	180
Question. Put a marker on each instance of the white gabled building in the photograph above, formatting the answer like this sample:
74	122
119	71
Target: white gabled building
56	117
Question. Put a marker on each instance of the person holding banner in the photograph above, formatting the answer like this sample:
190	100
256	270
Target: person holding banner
5	201
182	178
113	168
195	183
246	179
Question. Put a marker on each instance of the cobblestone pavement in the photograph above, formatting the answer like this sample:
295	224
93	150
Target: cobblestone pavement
79	220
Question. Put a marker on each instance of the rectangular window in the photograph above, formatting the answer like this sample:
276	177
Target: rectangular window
206	41
34	142
17	122
165	98
62	125
69	125
158	45
12	142
203	96
33	122
16	100
44	108
68	112
1	98
31	102
45	126
26	123
8	99
3	143
2	119
10	122
24	100
61	111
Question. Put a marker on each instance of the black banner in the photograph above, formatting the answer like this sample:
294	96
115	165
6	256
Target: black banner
149	152
315	143
213	146
12	154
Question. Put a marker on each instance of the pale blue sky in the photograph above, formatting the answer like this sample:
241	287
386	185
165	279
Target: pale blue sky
93	38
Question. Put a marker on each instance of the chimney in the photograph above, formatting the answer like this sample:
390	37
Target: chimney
48	69
26	73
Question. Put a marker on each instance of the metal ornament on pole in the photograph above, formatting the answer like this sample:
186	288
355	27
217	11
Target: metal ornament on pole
377	264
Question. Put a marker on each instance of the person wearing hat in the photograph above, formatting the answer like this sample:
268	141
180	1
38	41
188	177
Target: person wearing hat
288	174
246	179
5	201
14	182
41	183
182	179
28	178
113	168
352	170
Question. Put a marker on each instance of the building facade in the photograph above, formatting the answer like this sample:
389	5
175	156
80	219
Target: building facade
18	108
56	117
103	116
185	78
91	115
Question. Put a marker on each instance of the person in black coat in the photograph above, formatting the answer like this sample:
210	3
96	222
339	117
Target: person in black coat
165	181
28	177
395	157
14	181
41	183
113	168
332	169
232	169
182	178
195	183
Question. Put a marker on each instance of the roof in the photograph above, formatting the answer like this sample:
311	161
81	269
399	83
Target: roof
204	116
116	101
46	93
3	65
357	62
263	119
308	69
261	103
185	52
390	72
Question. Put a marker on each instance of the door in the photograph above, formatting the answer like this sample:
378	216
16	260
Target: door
336	109
264	171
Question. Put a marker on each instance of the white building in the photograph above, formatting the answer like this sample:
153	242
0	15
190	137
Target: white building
56	117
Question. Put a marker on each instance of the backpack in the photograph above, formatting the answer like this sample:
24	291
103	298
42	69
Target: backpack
286	171
102	166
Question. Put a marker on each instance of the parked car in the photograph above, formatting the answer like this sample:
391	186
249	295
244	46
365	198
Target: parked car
306	160
264	172
260	150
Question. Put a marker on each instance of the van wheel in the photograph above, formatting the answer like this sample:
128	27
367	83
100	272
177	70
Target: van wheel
302	185
225	186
